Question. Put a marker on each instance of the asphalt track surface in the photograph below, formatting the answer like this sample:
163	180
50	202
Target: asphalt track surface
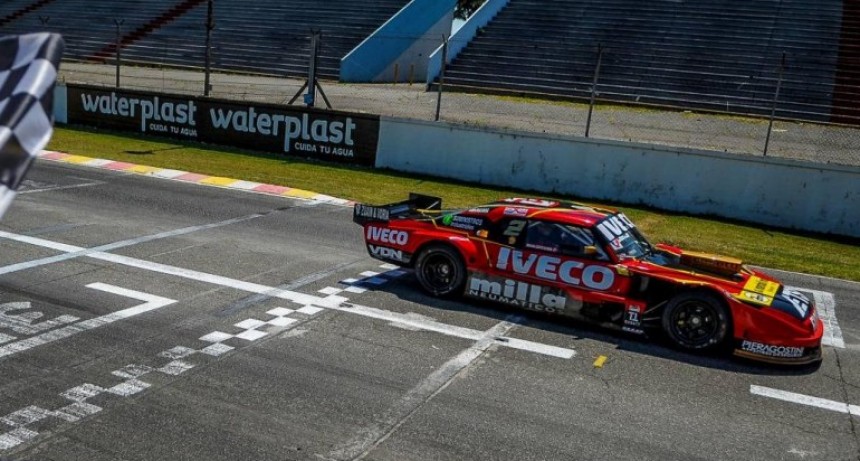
148	319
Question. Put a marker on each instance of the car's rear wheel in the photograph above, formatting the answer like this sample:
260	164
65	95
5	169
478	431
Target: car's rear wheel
441	271
696	321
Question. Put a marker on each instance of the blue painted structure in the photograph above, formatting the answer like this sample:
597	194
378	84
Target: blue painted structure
406	39
463	36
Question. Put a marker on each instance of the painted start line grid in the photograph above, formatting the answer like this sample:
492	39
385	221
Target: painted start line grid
23	422
310	305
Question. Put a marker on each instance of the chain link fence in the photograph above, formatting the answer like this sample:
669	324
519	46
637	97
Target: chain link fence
156	67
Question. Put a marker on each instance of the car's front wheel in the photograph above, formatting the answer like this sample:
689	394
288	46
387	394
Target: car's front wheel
440	270
696	321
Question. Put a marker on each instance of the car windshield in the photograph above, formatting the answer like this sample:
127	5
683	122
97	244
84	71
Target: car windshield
632	244
623	237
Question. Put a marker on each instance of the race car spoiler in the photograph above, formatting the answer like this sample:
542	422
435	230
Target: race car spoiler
363	214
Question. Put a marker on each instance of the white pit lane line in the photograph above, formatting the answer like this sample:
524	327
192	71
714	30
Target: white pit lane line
808	400
333	302
826	305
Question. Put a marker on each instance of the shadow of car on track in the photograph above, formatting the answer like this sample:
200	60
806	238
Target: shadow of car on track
655	344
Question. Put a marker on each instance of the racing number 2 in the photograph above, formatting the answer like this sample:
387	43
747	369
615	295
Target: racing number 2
515	228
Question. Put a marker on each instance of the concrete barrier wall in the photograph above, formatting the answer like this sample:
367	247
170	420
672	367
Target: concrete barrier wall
783	193
61	104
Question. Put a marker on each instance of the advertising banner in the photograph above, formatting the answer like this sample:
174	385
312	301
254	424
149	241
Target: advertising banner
297	131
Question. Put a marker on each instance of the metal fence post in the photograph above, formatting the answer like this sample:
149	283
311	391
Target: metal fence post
312	84
594	88
210	25
119	23
310	96
442	75
773	106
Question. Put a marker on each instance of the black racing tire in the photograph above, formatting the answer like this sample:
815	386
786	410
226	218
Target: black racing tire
696	321
440	271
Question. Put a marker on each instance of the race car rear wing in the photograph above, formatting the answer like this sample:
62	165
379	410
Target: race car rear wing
415	206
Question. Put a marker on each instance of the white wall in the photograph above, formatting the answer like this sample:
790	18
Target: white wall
783	193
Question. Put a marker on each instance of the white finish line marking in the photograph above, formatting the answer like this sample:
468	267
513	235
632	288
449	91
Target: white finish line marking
151	302
181	359
802	399
826	305
331	302
75	251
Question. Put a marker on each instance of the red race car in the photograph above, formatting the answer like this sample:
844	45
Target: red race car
592	263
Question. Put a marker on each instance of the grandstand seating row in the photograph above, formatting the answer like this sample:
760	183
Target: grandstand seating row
718	54
715	54
264	36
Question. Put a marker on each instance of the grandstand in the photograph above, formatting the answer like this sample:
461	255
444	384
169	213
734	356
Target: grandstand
262	36
720	55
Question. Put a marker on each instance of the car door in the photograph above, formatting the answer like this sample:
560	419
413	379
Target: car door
522	270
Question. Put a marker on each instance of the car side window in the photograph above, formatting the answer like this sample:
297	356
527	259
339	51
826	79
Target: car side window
563	239
581	242
544	236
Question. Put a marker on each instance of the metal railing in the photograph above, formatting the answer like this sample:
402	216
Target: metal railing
591	102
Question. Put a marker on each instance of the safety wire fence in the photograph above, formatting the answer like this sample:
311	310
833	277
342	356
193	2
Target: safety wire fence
587	104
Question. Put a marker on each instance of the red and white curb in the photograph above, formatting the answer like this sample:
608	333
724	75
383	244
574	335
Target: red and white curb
184	176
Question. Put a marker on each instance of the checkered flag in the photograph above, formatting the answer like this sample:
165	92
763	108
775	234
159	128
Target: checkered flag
28	72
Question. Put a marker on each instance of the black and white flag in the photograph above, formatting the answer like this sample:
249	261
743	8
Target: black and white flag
28	72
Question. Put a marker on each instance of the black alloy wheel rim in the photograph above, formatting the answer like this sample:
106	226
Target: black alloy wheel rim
695	323
439	272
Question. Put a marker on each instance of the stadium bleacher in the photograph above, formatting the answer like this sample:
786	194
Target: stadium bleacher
264	36
722	55
719	54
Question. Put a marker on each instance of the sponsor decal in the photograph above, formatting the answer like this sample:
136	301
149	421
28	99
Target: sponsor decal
153	113
757	298
772	351
521	212
797	300
482	210
462	222
299	132
382	235
327	135
535	246
759	291
372	212
633	319
555	269
532	202
615	226
387	253
515	293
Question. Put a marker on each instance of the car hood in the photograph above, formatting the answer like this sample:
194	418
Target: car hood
730	275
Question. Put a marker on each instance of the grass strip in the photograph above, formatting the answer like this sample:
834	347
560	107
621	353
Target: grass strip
779	249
